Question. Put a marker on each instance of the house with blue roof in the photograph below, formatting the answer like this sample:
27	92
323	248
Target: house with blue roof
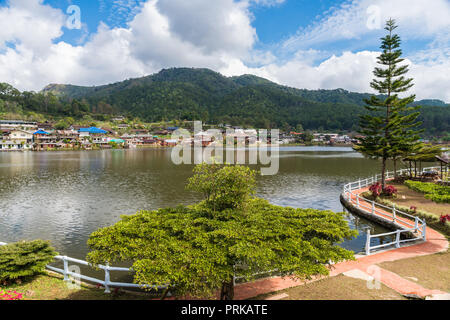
92	131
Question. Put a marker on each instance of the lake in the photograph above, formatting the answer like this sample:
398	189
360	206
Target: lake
65	196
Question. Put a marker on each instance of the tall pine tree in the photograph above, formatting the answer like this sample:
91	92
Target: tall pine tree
390	128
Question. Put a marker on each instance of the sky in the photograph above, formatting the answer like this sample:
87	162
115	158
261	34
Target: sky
312	44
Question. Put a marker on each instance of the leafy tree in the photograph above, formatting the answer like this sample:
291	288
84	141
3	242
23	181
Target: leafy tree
389	128
61	125
8	91
299	128
198	250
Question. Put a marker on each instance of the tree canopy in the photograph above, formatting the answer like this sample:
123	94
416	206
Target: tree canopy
390	128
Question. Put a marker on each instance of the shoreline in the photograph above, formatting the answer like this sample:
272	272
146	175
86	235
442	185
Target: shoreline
171	147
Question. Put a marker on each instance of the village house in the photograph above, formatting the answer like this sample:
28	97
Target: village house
67	138
118	119
162	132
75	127
20	136
139	131
17	125
203	138
16	140
44	140
92	132
46	126
122	126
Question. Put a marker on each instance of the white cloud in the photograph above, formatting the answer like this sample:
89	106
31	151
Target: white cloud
152	40
352	71
30	25
416	18
211	25
213	34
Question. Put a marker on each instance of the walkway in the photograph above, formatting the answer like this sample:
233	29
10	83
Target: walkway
435	243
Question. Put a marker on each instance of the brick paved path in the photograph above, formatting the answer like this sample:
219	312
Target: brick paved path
435	243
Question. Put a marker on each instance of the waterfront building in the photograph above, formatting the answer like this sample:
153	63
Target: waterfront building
17	125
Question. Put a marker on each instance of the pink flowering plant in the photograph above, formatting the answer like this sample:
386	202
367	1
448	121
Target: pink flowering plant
444	218
390	191
10	295
375	189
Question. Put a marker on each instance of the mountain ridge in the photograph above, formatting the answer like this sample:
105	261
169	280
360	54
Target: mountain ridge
179	75
247	100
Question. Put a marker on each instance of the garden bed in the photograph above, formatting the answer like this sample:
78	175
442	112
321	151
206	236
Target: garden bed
416	204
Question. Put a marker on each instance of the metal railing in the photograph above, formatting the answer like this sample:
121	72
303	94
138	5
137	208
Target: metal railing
107	283
389	213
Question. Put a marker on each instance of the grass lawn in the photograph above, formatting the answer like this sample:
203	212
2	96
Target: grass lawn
431	272
408	198
51	287
338	288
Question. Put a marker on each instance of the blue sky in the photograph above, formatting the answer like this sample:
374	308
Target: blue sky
272	23
301	43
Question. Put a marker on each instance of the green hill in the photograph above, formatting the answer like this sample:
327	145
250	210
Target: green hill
202	94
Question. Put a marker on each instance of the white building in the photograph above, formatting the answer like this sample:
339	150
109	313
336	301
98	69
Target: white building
17	125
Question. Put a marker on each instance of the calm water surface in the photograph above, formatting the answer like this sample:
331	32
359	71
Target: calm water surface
65	196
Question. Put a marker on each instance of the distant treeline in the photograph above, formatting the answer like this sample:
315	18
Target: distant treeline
201	94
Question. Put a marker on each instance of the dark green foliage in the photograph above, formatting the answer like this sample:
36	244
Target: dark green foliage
202	94
24	259
390	128
223	186
198	249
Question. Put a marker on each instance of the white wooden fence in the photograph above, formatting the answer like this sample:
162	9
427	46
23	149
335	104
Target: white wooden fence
107	283
391	214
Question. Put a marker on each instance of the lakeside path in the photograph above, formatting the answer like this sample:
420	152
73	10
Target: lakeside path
435	243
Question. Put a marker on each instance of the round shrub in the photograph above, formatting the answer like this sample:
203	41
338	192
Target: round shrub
24	259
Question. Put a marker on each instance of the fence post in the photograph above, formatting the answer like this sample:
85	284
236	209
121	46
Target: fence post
107	279
66	268
359	184
373	207
424	230
357	201
397	240
368	242
416	224
394	213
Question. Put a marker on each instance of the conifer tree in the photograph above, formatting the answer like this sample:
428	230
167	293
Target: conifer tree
390	127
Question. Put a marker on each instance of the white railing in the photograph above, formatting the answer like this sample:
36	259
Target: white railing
391	214
107	283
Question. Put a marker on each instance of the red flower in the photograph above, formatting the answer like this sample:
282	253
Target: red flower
390	191
375	189
444	218
10	295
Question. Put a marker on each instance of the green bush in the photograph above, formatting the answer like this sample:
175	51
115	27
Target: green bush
432	191
23	259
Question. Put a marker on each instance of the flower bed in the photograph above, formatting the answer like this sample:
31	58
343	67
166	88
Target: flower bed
10	295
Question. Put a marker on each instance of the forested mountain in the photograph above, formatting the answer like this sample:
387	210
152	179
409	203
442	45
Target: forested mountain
202	94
